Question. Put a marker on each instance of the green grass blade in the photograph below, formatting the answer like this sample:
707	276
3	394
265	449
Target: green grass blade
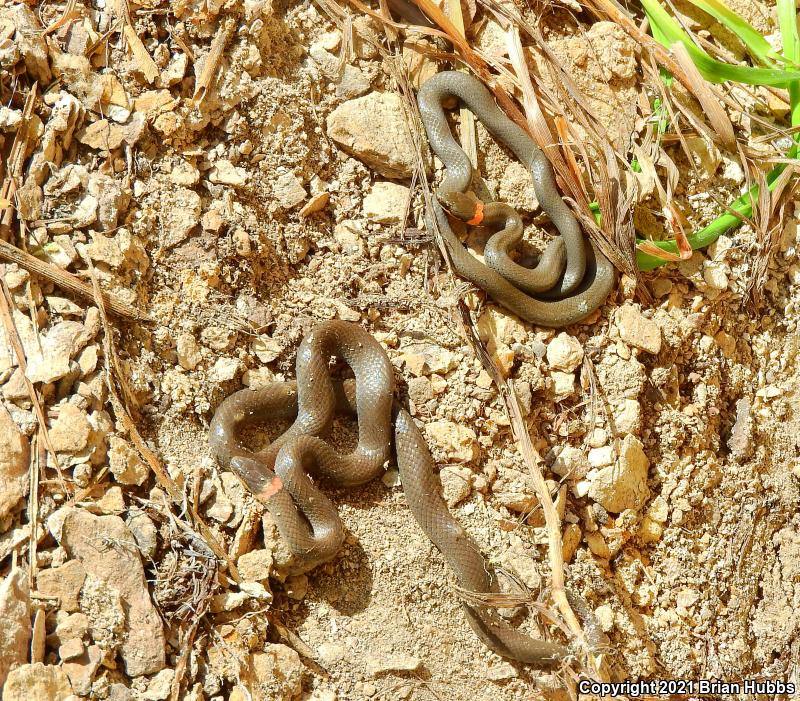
758	47
667	32
787	23
708	234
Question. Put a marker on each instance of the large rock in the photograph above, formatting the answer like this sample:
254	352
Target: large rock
14	455
373	129
15	613
37	682
119	567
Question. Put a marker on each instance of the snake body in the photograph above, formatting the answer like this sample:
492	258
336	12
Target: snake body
307	520
588	277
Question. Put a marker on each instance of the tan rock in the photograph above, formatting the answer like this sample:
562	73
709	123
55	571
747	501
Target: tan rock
224	172
73	625
125	463
570	539
496	324
523	564
564	352
383	664
112	501
386	203
458	443
622	485
70	649
602	456
14	457
70	431
427	359
81	670
289	190
255	566
185	173
15	614
50	361
501	671
32	44
650	531
514	490
349	235
224	370
65	582
563	384
373	129
627	417
597	545
277	673
120	569
188	351
37	682
159	687
180	212
456	483
569	462
637	330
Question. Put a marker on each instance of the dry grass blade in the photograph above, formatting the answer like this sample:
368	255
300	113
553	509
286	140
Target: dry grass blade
208	74
33	511
534	462
677	223
66	16
563	134
16	159
467	131
538	124
6	306
66	281
707	97
144	61
768	222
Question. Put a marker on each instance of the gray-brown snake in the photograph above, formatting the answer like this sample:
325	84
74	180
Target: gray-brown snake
588	276
306	518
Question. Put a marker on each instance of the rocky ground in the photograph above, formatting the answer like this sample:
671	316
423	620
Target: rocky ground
240	172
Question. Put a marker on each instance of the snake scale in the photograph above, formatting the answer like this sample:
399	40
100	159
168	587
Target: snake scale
307	520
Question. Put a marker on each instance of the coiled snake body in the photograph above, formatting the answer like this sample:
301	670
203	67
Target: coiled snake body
588	275
306	518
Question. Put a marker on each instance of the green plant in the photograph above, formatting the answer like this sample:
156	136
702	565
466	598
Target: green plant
773	69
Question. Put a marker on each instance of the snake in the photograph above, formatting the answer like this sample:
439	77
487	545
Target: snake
584	276
280	475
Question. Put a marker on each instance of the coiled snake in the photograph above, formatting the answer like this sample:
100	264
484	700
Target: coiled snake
588	276
307	520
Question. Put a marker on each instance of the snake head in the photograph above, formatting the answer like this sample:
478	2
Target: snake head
463	205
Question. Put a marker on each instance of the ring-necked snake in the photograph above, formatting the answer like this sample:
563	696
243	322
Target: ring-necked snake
588	276
306	518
